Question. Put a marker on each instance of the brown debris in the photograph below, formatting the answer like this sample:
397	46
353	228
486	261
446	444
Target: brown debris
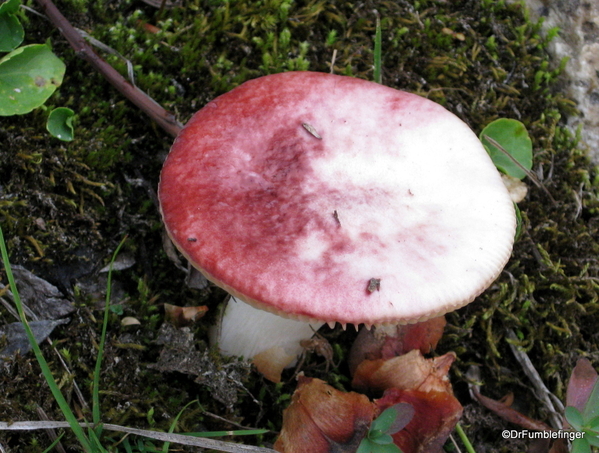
385	343
435	415
322	419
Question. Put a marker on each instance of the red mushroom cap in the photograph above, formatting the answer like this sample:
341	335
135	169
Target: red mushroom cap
323	197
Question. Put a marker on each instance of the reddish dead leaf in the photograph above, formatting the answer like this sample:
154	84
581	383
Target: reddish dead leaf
548	446
509	414
559	446
183	316
410	371
435	416
391	342
321	419
581	384
423	383
148	27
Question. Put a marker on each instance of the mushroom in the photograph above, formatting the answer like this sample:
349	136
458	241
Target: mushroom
314	198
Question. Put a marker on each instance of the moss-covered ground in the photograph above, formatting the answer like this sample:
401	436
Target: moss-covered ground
64	207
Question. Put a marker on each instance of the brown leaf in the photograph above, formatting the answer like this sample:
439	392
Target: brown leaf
410	371
183	316
581	384
435	416
385	343
321	419
509	414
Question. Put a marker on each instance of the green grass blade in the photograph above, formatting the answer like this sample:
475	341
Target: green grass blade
464	439
53	444
167	445
60	400
98	368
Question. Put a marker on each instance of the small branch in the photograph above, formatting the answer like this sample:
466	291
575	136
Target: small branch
529	173
182	439
165	120
541	389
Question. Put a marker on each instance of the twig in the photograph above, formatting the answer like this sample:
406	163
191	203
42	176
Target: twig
182	439
529	173
51	433
455	444
154	110
333	58
541	390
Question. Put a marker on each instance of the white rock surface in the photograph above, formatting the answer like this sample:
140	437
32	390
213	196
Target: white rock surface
578	21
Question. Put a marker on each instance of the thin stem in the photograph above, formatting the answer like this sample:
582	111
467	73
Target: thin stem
165	120
98	368
378	78
464	439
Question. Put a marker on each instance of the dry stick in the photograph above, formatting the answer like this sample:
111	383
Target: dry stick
529	173
51	432
542	392
165	120
182	439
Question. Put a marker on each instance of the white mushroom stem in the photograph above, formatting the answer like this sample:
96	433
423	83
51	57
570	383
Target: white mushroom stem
270	341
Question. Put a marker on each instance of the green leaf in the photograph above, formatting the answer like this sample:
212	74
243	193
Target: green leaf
28	77
593	423
390	448
393	419
591	438
366	446
384	421
11	6
513	137
581	446
60	123
11	30
591	408
381	439
574	417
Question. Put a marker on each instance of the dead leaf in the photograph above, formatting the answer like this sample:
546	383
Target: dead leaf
410	371
581	384
385	343
16	339
322	419
41	297
183	316
509	414
435	415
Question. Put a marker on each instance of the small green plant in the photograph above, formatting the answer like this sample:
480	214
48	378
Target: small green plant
585	422
392	420
510	147
29	75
